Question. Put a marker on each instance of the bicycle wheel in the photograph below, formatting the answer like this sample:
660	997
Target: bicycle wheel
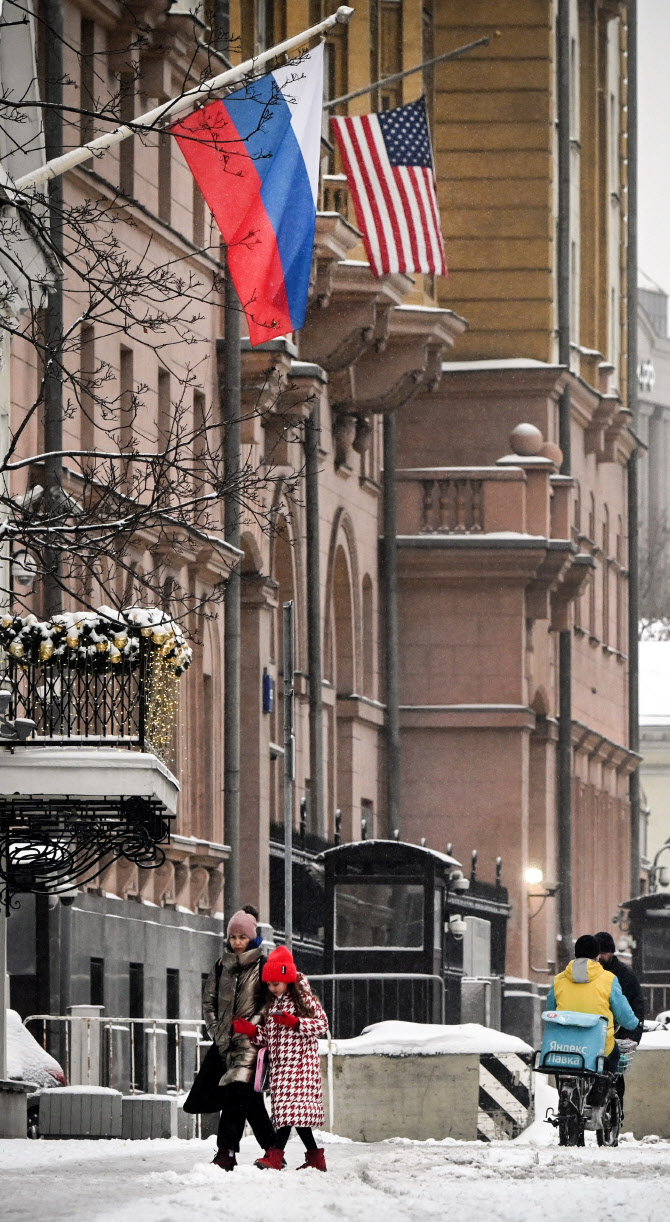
570	1131
570	1120
608	1135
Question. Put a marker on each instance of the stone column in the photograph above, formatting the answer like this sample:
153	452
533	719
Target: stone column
258	603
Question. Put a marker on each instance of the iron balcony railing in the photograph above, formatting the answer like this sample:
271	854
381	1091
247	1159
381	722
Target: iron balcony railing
82	702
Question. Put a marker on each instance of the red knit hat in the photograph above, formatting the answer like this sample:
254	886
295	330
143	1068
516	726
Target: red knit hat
280	967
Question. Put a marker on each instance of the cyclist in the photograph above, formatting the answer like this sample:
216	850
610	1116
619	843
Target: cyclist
630	987
587	987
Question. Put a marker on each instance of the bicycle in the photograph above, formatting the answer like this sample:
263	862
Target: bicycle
588	1100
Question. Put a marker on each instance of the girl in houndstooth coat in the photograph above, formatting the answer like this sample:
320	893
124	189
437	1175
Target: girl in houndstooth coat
290	1026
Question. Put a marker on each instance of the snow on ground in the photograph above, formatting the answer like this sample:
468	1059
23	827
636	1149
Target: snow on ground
400	1039
529	1180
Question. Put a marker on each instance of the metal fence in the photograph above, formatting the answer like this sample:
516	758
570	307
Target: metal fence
134	1055
154	1055
656	999
354	1000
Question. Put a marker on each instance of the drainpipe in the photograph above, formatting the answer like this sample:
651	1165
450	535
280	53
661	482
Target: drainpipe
231	409
564	949
315	660
632	388
53	385
389	582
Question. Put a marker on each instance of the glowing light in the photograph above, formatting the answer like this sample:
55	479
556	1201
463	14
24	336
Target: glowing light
533	876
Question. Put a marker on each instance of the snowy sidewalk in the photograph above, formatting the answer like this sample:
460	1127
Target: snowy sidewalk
173	1181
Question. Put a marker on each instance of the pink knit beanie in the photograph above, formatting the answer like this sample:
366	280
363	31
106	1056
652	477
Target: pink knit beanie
243	923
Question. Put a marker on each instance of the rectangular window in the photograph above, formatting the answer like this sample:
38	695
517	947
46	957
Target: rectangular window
164	421
200	444
367	819
172	1011
198	216
208	756
390	29
264	25
87	53
165	178
136	1010
384	915
126	406
656	946
87	393
97	982
127	147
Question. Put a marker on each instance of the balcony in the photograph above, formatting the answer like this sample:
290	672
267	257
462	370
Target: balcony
461	501
510	522
87	716
335	195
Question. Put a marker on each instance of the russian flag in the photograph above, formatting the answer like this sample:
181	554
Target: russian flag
255	156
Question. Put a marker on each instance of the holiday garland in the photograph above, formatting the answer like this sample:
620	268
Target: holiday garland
95	640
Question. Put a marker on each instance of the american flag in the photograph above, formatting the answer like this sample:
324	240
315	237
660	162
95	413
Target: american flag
389	166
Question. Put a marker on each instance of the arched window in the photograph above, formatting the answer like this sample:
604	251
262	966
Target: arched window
606	576
593	581
344	625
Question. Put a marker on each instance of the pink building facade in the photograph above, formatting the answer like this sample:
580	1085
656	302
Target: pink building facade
497	553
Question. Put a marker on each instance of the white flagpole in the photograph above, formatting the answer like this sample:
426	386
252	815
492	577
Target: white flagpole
177	106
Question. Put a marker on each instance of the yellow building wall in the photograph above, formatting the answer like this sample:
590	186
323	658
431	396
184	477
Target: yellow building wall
494	140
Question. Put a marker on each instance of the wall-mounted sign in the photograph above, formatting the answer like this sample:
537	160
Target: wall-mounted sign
646	375
268	692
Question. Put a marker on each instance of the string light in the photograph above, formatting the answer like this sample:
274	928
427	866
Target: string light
162	704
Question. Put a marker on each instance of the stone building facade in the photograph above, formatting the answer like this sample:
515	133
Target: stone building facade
497	552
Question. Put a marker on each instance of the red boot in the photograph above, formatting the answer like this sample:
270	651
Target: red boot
315	1159
272	1160
225	1160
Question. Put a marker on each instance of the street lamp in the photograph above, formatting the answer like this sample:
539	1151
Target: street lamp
533	877
658	875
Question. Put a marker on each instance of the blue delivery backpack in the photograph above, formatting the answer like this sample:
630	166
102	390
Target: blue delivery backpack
573	1041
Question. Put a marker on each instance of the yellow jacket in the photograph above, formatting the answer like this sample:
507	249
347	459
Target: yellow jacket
586	987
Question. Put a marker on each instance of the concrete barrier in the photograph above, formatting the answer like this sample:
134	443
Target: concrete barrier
376	1097
487	1097
647	1098
149	1116
80	1111
14	1107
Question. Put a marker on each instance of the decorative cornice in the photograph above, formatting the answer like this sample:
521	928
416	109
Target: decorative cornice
598	747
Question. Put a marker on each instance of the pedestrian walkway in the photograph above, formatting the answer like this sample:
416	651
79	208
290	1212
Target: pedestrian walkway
170	1181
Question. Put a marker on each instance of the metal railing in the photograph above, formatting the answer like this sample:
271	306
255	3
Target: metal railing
656	999
151	1055
354	1000
133	1055
81	701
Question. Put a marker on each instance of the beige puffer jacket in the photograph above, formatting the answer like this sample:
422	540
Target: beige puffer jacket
240	995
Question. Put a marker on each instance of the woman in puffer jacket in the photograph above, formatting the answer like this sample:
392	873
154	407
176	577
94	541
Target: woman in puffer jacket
290	1026
234	990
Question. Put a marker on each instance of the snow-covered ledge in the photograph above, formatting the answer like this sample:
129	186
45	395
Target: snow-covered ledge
93	772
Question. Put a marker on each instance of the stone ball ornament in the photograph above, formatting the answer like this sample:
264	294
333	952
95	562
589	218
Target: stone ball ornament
553	452
526	440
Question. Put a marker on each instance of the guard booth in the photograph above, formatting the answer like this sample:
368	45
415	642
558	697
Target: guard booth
646	920
396	931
